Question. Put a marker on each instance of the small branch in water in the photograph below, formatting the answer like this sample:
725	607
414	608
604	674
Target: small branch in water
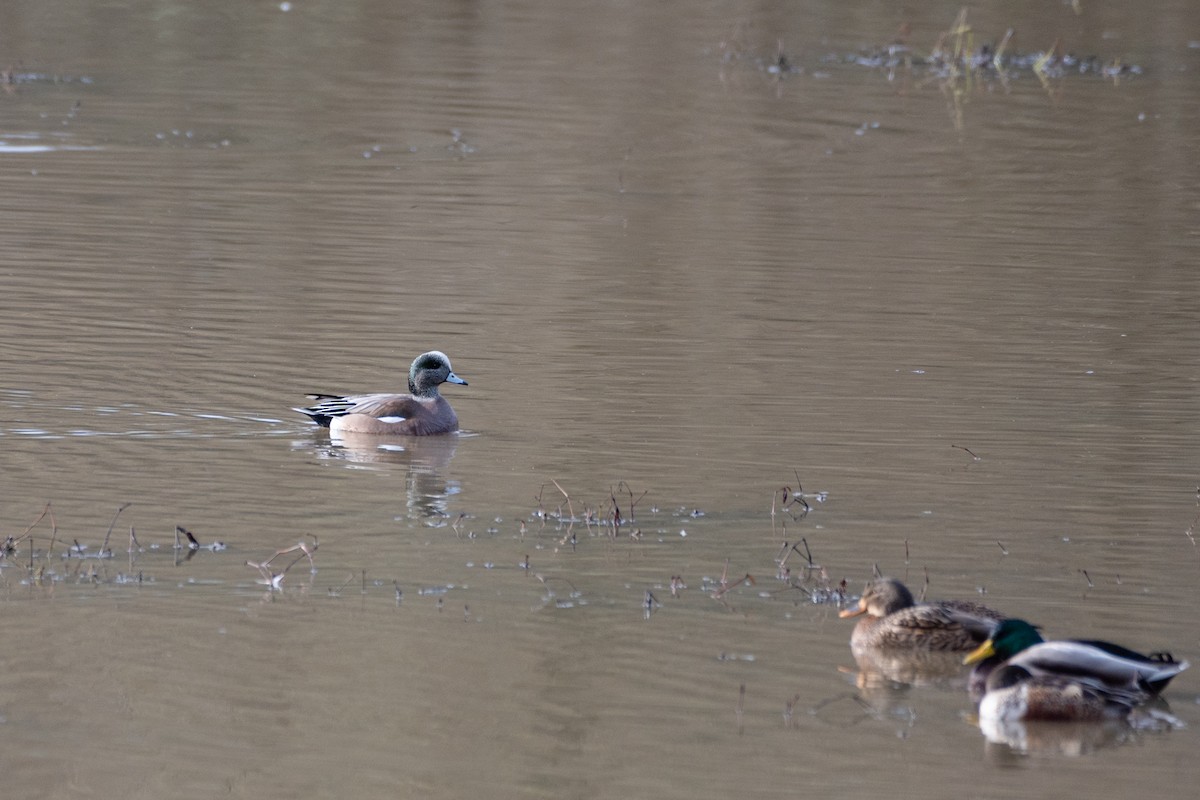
719	593
541	510
275	580
1003	549
53	532
967	451
795	548
632	500
338	591
111	525
570	509
192	543
807	552
10	544
785	497
1088	578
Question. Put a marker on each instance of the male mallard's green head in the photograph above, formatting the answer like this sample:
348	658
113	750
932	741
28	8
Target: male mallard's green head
1010	638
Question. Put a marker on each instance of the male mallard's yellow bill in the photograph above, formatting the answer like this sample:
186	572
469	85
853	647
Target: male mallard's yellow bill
852	612
984	650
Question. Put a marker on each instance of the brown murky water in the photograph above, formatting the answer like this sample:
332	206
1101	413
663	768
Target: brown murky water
663	269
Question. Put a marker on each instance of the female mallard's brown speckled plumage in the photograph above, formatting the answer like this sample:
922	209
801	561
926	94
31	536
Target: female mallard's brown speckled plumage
894	620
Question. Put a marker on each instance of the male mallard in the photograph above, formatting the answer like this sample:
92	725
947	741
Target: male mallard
894	620
1104	666
1014	694
423	412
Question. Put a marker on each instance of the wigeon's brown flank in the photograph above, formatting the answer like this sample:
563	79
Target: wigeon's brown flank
422	412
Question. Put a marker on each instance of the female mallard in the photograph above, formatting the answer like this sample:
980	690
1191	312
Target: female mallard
895	621
1103	666
1014	694
422	412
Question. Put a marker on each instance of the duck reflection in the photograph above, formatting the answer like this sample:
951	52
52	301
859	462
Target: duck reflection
425	459
909	668
886	678
1008	738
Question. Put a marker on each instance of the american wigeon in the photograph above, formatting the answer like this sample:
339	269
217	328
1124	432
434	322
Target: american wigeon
424	412
895	620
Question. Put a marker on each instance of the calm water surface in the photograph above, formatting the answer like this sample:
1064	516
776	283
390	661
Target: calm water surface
664	269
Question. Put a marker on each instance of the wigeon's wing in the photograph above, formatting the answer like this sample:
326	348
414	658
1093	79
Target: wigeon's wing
328	406
384	406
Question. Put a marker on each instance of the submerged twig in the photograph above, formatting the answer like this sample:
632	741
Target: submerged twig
649	604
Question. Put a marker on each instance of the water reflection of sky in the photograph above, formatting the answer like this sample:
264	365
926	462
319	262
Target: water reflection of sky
38	143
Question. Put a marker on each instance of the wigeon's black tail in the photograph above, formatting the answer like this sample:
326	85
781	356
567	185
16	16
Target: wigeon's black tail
326	408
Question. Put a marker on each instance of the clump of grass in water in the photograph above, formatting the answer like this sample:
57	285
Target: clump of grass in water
955	62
